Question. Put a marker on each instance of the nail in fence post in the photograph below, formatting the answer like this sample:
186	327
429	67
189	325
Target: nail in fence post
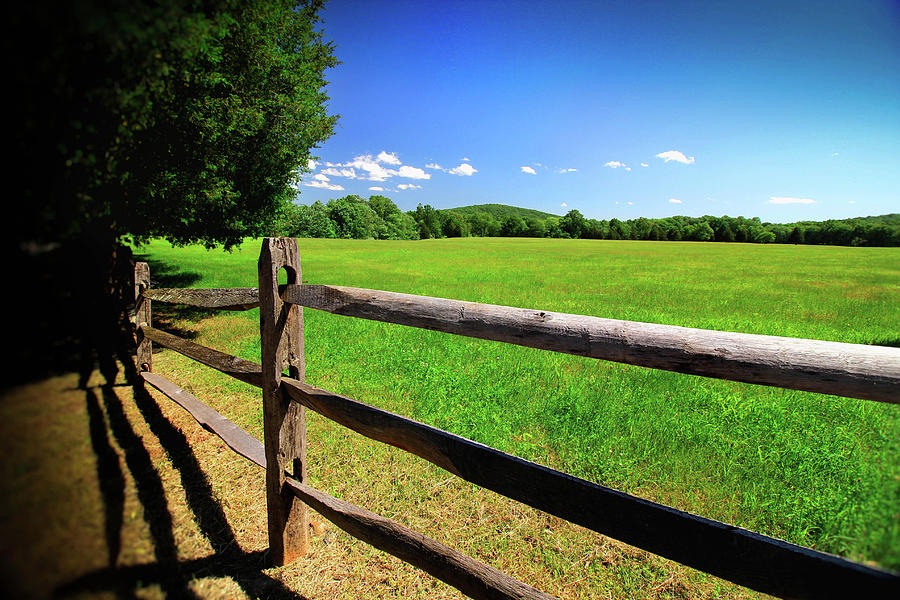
142	316
284	422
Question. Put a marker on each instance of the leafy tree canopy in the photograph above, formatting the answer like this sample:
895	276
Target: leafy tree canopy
176	118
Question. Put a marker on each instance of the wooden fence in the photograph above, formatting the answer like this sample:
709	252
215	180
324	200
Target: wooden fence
750	559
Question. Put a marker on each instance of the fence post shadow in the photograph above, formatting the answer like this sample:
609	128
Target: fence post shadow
246	568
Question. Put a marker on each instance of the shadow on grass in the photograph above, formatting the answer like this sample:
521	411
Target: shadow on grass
893	342
170	573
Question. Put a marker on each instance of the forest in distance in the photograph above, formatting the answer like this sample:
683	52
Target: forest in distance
378	217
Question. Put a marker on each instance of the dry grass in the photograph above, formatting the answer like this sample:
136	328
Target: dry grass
113	493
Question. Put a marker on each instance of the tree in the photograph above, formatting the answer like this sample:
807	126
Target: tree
172	118
513	226
429	222
169	118
313	221
353	218
573	223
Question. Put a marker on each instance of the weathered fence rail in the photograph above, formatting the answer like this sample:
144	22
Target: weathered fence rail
851	370
744	557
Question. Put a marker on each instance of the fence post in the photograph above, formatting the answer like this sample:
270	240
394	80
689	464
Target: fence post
284	422
142	316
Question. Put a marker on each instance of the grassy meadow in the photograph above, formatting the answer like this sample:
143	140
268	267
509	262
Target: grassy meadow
817	470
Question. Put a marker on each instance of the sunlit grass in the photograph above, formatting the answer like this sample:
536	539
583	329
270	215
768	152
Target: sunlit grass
818	470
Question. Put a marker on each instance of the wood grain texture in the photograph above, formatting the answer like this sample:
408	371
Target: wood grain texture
142	316
244	370
756	561
284	422
216	298
852	370
236	438
760	562
466	574
471	577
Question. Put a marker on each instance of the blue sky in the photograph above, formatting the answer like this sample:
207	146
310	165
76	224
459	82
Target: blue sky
782	110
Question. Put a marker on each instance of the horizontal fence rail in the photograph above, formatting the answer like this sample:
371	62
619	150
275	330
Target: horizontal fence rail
760	562
474	578
851	370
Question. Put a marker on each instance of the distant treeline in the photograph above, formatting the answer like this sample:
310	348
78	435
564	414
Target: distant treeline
379	218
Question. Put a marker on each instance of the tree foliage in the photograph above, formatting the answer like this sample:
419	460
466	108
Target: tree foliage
173	118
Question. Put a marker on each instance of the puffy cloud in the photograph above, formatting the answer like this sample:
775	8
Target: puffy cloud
340	173
368	164
835	153
566	170
310	164
323	185
375	188
644	165
466	158
528	170
674	201
409	186
321	177
410	172
463	169
564	205
390	159
631	204
434	166
614	164
789	200
676	156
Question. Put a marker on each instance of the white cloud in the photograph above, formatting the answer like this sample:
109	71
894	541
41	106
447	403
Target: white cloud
410	173
614	164
434	166
310	164
390	159
851	202
323	185
566	170
835	153
564	205
463	169
409	186
674	201
644	165
375	188
528	170
340	173
676	156
631	204
466	158
366	163
789	200
571	170
321	177
627	168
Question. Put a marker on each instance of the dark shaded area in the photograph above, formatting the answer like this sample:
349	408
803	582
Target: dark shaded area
109	476
152	495
68	311
172	575
69	308
892	342
246	571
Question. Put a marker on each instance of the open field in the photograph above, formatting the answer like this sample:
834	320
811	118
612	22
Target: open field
817	470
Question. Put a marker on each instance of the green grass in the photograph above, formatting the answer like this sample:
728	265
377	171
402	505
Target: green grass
817	470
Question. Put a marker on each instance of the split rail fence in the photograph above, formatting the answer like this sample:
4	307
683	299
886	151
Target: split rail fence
750	559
